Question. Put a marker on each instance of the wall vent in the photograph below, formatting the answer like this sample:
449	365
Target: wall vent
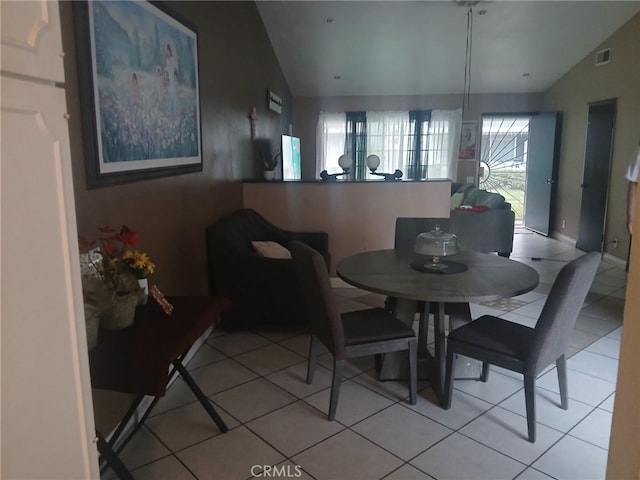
603	57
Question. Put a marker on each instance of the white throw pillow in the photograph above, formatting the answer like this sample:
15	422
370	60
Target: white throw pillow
271	250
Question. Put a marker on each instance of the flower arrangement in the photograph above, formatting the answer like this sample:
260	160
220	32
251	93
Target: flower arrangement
110	273
111	259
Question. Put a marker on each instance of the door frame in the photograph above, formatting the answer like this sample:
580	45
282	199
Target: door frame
547	229
614	102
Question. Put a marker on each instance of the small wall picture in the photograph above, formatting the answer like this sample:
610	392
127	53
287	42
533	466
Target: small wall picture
274	102
468	141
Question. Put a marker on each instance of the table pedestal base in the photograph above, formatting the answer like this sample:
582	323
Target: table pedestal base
430	367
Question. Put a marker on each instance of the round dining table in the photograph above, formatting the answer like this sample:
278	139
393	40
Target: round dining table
396	274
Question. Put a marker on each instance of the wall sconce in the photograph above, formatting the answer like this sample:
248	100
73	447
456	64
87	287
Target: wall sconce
373	162
345	161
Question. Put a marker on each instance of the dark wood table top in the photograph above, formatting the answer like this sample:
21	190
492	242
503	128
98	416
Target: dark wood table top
388	272
137	359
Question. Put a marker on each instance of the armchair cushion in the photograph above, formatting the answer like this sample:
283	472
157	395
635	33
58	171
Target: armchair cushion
270	249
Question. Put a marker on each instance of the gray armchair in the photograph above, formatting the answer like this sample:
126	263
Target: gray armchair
263	290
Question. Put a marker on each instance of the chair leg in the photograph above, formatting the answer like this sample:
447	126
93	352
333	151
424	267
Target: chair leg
530	402
413	371
561	367
448	380
338	367
313	357
484	376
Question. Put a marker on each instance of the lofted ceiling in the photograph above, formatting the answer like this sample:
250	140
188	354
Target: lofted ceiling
333	48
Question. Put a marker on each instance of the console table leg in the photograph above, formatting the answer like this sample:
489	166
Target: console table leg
112	459
186	376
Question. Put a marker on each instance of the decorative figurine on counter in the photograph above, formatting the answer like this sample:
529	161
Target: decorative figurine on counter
345	161
373	162
330	177
389	177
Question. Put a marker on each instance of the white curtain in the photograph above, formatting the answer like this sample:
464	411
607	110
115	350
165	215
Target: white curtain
388	137
444	140
331	133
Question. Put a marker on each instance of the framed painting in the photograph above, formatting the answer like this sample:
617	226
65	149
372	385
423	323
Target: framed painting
139	91
468	141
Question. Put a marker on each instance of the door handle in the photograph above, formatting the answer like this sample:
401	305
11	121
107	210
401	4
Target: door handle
584	185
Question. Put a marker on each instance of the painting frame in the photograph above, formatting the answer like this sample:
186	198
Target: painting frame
139	122
274	102
468	148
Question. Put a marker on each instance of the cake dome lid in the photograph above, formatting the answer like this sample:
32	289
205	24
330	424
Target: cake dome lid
436	242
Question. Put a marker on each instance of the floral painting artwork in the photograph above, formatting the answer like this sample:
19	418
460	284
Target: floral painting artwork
144	75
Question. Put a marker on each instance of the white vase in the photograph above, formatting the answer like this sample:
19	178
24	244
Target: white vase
144	295
269	174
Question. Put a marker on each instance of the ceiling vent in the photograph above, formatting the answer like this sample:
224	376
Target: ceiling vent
603	57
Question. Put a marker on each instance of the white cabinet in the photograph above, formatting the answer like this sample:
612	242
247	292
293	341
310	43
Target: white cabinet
31	40
47	416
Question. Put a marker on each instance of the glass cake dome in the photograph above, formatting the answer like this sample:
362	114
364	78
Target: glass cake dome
436	243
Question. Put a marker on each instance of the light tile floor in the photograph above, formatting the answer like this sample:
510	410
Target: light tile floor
278	425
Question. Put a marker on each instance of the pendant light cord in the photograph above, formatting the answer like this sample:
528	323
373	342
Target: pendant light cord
467	62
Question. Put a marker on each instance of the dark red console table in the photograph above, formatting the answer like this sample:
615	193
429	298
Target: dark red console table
143	358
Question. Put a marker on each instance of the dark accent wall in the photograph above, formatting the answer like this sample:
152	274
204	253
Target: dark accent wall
236	67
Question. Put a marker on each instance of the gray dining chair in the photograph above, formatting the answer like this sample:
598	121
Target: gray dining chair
407	229
372	331
526	350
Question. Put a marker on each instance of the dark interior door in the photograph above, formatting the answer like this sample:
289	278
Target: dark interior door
595	180
542	171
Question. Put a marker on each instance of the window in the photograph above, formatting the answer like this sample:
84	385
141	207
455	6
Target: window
443	142
420	143
416	166
356	145
388	136
330	141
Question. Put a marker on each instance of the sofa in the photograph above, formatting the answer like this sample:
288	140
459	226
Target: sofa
482	221
249	263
